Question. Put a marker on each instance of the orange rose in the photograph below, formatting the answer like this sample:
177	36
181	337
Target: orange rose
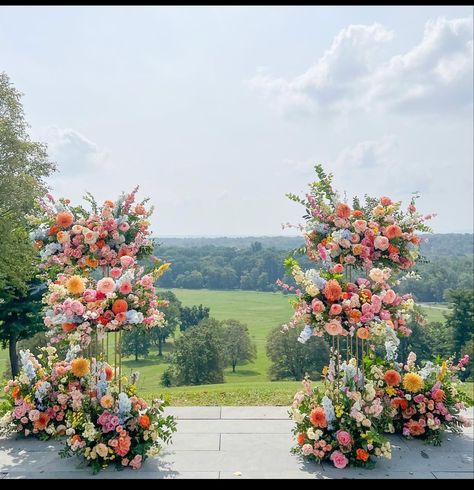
64	219
392	249
343	210
119	306
357	213
357	249
363	333
53	230
300	438
318	417
354	316
362	454
144	421
392	378
15	392
67	327
332	290
393	231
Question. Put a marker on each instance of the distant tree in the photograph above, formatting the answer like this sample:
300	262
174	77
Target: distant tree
190	280
199	355
20	318
461	317
192	315
291	359
136	342
239	347
256	247
172	321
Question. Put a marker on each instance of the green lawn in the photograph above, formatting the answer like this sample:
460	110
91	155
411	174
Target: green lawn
435	311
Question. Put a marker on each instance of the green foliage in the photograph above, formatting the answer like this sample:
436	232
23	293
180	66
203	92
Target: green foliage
20	318
238	345
172	321
190	316
461	317
293	360
136	342
24	165
199	355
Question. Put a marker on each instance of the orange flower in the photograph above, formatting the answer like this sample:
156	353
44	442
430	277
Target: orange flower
392	249
399	403
76	438
300	438
362	454
416	240
413	382
363	333
392	378
64	219
318	417
365	295
91	262
393	231
53	230
42	421
357	213
415	428
109	204
100	244
75	285
80	367
343	210
107	401
332	290
119	306
355	315
109	373
15	391
67	327
144	421
438	395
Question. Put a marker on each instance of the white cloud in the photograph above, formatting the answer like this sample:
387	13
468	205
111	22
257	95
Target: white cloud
434	75
74	153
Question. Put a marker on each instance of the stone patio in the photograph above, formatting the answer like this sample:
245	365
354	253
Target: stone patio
243	442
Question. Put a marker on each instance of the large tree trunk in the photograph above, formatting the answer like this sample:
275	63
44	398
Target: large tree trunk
233	367
160	345
13	354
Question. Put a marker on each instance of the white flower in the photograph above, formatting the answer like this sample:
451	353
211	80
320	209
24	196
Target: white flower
366	423
297	416
310	433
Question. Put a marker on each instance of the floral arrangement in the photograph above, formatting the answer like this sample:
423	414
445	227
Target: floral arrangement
77	398
341	422
71	238
374	234
117	428
327	303
425	401
41	398
78	305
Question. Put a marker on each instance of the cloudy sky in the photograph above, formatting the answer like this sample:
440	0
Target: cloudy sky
217	112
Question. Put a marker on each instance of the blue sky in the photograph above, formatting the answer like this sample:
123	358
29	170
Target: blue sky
217	112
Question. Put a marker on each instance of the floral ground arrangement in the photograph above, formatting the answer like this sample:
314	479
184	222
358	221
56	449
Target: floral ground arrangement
361	253
95	289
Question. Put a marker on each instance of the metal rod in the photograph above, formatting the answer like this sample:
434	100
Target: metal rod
120	360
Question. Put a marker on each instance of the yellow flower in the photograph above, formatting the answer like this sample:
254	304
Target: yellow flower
390	390
413	382
325	370
442	372
80	367
339	411
75	285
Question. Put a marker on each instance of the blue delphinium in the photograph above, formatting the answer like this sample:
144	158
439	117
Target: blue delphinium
27	365
328	410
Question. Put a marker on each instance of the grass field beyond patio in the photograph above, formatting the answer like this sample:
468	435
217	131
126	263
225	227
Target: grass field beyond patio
250	385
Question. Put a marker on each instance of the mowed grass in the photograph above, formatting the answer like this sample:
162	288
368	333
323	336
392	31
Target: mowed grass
435	312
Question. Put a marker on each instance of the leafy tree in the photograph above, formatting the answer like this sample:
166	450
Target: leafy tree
20	318
199	355
172	321
239	348
24	165
192	315
291	359
190	280
461	317
136	342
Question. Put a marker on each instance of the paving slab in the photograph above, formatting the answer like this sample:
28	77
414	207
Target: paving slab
194	442
248	442
266	475
116	475
230	426
194	413
262	413
454	475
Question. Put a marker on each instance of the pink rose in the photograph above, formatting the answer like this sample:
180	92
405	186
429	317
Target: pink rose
335	309
338	269
127	261
385	201
384	315
89	295
360	225
106	285
115	272
339	460
333	327
381	242
389	296
126	288
343	438
307	449
317	306
147	281
124	226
